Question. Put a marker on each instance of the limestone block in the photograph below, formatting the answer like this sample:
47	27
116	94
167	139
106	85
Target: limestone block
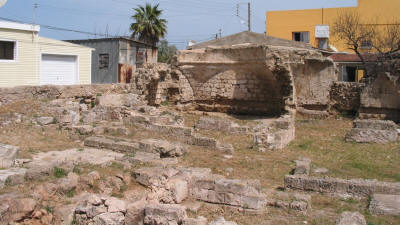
161	214
12	176
46	120
8	154
385	205
351	218
303	166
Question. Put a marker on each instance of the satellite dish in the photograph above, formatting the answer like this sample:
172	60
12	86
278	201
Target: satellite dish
2	2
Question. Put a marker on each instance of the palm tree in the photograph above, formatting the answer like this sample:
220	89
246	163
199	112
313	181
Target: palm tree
149	27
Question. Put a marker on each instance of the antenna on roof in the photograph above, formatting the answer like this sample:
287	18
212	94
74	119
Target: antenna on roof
2	3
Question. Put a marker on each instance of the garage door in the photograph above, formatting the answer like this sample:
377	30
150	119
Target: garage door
58	70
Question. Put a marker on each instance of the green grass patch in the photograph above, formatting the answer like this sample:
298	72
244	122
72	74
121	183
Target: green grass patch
59	172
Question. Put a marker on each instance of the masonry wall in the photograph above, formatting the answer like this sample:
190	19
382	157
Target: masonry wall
241	80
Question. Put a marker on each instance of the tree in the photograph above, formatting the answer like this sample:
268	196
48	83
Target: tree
349	28
148	26
384	39
166	52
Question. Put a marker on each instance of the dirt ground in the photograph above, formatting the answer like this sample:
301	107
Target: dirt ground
320	140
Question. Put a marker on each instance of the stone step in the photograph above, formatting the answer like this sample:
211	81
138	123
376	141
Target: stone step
385	205
358	187
8	154
163	148
12	176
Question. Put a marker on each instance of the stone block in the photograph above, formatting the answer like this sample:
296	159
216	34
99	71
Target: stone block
161	214
8	154
385	205
12	176
303	166
358	187
351	218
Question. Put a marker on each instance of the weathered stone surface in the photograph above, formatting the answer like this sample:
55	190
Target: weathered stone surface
243	193
161	147
346	96
119	100
115	218
164	148
373	131
385	204
195	221
144	157
115	205
12	176
371	136
154	176
45	120
274	134
102	210
14	209
380	98
83	129
222	221
164	214
334	185
303	166
351	218
135	212
294	201
43	163
8	154
220	124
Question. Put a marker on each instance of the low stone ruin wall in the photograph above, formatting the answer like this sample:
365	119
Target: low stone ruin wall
345	96
87	93
380	99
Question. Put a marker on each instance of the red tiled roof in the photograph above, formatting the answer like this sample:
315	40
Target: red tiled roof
343	57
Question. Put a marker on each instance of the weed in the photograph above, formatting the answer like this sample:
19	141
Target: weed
306	145
92	104
77	170
99	94
165	103
131	154
54	120
71	193
59	172
80	150
49	209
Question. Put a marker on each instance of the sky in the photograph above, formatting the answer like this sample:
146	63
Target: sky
197	20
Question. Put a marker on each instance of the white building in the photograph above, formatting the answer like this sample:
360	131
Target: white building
28	59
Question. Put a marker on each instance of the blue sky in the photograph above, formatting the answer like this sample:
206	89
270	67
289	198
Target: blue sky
187	19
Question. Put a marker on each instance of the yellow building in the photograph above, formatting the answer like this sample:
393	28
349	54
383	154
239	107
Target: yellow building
311	25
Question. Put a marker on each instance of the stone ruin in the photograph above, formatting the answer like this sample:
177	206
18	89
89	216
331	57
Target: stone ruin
267	84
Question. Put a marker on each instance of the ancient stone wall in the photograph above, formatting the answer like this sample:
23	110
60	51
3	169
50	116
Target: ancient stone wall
85	92
257	79
380	99
313	78
345	96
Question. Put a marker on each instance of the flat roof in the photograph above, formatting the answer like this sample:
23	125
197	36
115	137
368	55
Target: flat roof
19	26
110	39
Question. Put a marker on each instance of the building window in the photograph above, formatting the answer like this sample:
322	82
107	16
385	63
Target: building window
7	50
301	36
366	44
104	60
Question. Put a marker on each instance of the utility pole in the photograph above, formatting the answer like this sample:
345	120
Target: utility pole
35	6
220	33
249	15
